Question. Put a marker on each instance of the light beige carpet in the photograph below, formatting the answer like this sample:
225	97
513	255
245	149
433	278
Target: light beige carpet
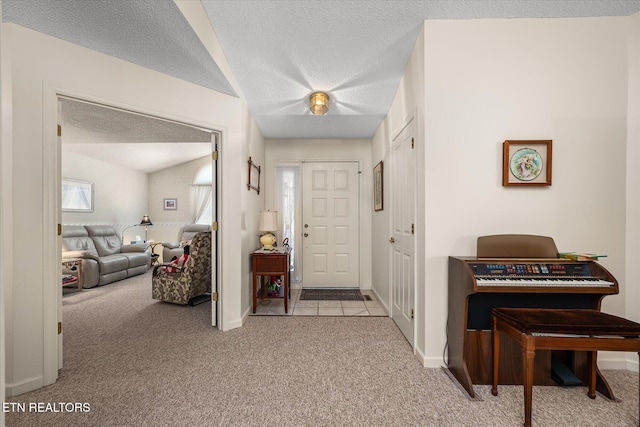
139	362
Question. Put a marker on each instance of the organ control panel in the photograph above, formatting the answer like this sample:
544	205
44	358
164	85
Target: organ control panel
556	274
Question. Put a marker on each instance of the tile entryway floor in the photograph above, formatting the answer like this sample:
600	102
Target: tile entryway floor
275	307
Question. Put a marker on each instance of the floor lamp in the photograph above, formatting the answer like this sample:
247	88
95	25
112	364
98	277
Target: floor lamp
146	222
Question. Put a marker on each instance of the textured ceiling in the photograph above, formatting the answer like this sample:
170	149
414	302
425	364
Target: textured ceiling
151	33
281	51
133	141
356	51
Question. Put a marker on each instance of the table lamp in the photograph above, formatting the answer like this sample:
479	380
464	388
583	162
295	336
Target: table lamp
268	225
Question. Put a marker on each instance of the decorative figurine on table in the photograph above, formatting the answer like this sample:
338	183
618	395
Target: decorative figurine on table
274	288
268	241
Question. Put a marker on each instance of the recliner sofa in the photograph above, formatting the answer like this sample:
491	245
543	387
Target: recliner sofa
185	234
104	258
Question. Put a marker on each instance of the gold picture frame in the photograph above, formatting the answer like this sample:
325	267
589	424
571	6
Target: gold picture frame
526	163
378	187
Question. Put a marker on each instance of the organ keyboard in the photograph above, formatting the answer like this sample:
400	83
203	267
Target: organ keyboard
561	275
515	276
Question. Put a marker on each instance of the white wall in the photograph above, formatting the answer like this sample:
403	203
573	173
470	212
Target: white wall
632	301
42	66
254	203
233	222
120	194
5	171
407	105
487	81
294	151
175	183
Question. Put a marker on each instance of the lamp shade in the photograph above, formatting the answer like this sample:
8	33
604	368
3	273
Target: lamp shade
319	103
146	220
268	221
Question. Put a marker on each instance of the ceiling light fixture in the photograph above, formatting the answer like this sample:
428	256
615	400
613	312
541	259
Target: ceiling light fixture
319	103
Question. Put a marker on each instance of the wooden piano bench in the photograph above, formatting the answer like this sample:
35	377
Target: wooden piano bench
560	329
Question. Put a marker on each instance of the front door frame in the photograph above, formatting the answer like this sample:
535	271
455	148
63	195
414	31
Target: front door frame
358	215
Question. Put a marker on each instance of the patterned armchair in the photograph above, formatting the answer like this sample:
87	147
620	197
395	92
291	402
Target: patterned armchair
188	282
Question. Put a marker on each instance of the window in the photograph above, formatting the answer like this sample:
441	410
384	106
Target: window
202	196
288	179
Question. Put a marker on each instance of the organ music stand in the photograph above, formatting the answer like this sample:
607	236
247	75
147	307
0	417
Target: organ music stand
516	246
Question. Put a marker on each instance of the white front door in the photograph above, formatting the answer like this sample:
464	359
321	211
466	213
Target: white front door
330	227
403	195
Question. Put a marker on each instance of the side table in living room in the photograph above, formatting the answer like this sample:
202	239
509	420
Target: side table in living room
72	265
267	263
154	255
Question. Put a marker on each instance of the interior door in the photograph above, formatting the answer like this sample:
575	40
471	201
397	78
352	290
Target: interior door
330	226
403	195
58	211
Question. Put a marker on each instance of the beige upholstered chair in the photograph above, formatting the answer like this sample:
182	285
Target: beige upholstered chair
188	282
186	233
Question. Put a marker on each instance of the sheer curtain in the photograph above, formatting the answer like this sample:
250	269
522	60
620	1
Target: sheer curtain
288	191
202	203
201	192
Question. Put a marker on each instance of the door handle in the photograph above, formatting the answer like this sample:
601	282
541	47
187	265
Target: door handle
392	240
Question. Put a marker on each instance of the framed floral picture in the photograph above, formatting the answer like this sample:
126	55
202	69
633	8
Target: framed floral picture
526	163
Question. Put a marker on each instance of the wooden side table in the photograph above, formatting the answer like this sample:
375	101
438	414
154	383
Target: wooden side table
154	255
270	263
73	264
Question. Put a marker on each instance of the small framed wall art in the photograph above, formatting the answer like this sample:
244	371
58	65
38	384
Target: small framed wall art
526	163
378	188
170	204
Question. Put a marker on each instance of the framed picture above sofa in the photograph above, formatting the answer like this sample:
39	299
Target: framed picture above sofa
77	195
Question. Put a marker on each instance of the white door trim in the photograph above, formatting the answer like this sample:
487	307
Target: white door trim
51	181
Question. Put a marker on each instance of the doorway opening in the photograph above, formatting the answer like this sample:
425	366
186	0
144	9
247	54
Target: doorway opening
139	165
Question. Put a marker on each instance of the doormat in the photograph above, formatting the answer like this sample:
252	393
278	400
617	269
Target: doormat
333	295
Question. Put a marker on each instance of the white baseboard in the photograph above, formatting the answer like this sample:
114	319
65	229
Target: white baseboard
381	301
618	360
30	384
420	356
233	324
